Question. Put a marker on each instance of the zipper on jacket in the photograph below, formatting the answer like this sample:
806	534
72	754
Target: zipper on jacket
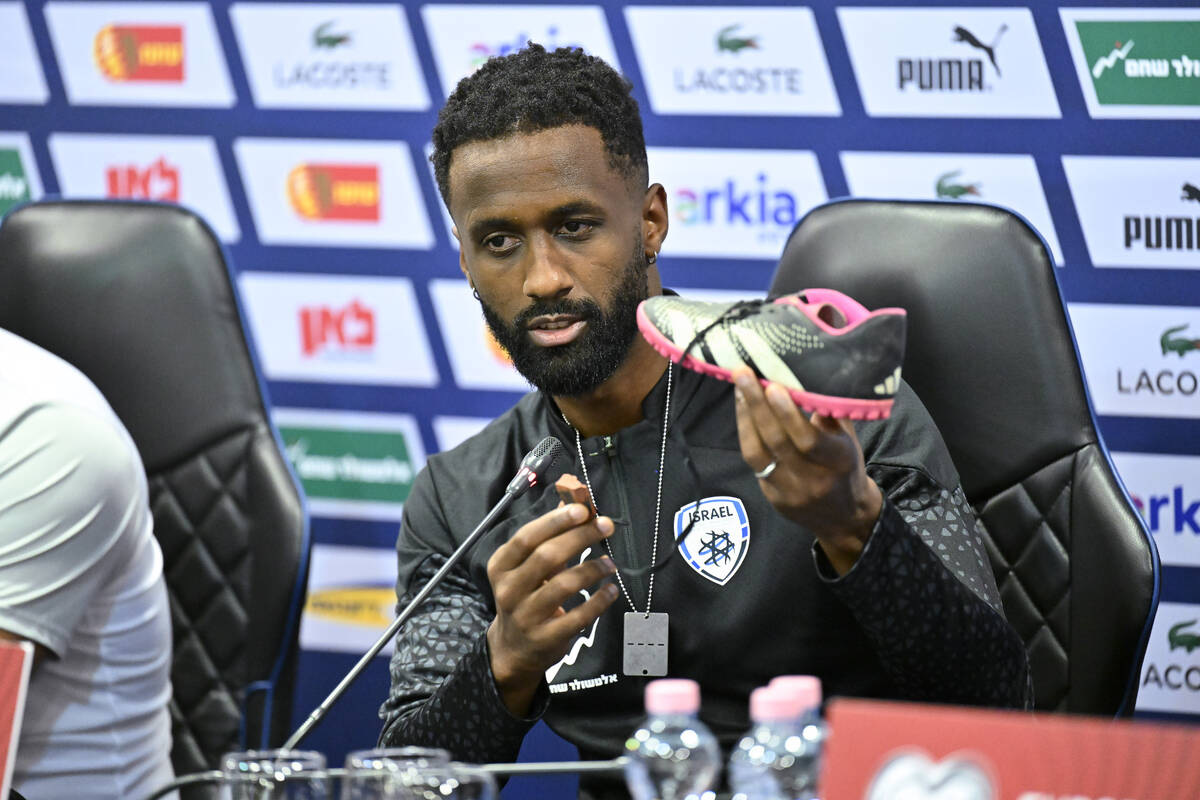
626	543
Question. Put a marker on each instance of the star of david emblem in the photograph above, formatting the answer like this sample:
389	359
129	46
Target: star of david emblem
719	538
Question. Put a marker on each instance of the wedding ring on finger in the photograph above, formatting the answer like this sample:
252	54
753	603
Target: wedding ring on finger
766	471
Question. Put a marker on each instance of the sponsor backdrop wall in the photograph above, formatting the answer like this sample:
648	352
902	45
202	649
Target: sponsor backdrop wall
300	132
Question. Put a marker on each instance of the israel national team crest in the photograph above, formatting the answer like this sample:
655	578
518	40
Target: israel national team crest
716	545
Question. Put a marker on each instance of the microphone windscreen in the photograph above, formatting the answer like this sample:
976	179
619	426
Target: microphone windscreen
543	455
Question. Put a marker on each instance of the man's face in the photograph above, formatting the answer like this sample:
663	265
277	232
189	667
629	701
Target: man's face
553	239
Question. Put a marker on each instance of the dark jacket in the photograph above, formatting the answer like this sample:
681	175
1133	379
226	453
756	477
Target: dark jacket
918	617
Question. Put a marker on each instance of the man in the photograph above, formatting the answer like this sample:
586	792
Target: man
81	579
866	570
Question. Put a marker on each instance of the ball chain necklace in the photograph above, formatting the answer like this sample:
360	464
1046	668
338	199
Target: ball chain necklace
644	646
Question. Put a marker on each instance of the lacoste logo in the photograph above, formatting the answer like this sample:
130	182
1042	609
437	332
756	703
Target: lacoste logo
1118	53
726	40
946	188
961	34
1178	637
1190	192
1177	344
324	37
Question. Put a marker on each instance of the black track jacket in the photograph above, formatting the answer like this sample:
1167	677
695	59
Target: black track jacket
917	617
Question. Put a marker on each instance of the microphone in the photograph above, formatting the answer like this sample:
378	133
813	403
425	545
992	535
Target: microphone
533	468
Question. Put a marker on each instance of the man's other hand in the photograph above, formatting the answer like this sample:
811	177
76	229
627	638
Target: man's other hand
819	479
531	581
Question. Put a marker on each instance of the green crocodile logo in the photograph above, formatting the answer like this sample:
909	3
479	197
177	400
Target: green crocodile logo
726	40
948	189
323	36
1177	344
1177	637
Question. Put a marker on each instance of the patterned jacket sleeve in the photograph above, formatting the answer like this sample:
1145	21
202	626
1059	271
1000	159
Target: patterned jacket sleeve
924	593
442	691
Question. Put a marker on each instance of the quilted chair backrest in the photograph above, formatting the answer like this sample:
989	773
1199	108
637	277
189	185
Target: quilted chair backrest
139	297
991	354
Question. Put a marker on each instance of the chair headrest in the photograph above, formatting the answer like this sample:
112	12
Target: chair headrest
989	347
139	298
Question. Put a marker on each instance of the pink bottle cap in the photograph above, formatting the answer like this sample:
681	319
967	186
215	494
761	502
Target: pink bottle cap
772	703
673	696
805	689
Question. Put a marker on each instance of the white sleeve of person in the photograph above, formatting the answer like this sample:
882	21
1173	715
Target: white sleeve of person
72	500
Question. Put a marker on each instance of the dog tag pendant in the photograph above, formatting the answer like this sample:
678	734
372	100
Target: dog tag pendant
645	644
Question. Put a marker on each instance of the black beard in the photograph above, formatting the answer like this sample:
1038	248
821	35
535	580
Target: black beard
578	368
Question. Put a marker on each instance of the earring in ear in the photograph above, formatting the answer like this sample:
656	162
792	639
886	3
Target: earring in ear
651	257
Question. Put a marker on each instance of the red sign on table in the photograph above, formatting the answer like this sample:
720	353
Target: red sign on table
16	659
903	751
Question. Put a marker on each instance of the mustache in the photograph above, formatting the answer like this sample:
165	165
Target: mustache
584	309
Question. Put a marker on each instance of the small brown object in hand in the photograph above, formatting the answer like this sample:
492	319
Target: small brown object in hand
570	490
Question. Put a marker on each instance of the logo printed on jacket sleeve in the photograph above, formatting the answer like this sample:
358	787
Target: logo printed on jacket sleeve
720	536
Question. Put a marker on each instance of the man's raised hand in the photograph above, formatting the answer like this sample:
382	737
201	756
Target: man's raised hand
531	580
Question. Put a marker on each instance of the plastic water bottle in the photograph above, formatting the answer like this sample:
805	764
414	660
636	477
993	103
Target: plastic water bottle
799	765
754	762
673	754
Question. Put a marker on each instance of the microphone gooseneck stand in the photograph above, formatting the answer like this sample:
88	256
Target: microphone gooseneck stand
533	468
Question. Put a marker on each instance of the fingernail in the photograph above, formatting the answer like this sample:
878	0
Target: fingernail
608	565
605	525
576	512
743	381
779	397
611	590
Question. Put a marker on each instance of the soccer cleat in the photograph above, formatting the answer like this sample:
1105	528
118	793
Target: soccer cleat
832	355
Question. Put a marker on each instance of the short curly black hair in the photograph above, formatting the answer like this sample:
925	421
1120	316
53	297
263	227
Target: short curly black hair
534	90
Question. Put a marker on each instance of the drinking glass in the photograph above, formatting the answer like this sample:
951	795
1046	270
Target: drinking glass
370	776
274	775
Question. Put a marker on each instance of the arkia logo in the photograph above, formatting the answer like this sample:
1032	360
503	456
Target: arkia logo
729	41
1154	232
1177	637
140	53
761	206
482	51
335	192
348	330
949	189
159	181
325	38
950	74
1169	512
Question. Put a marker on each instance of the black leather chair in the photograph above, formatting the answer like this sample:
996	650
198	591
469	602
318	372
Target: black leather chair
991	354
139	297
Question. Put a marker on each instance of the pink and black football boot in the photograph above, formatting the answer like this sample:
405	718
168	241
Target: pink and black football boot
833	356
